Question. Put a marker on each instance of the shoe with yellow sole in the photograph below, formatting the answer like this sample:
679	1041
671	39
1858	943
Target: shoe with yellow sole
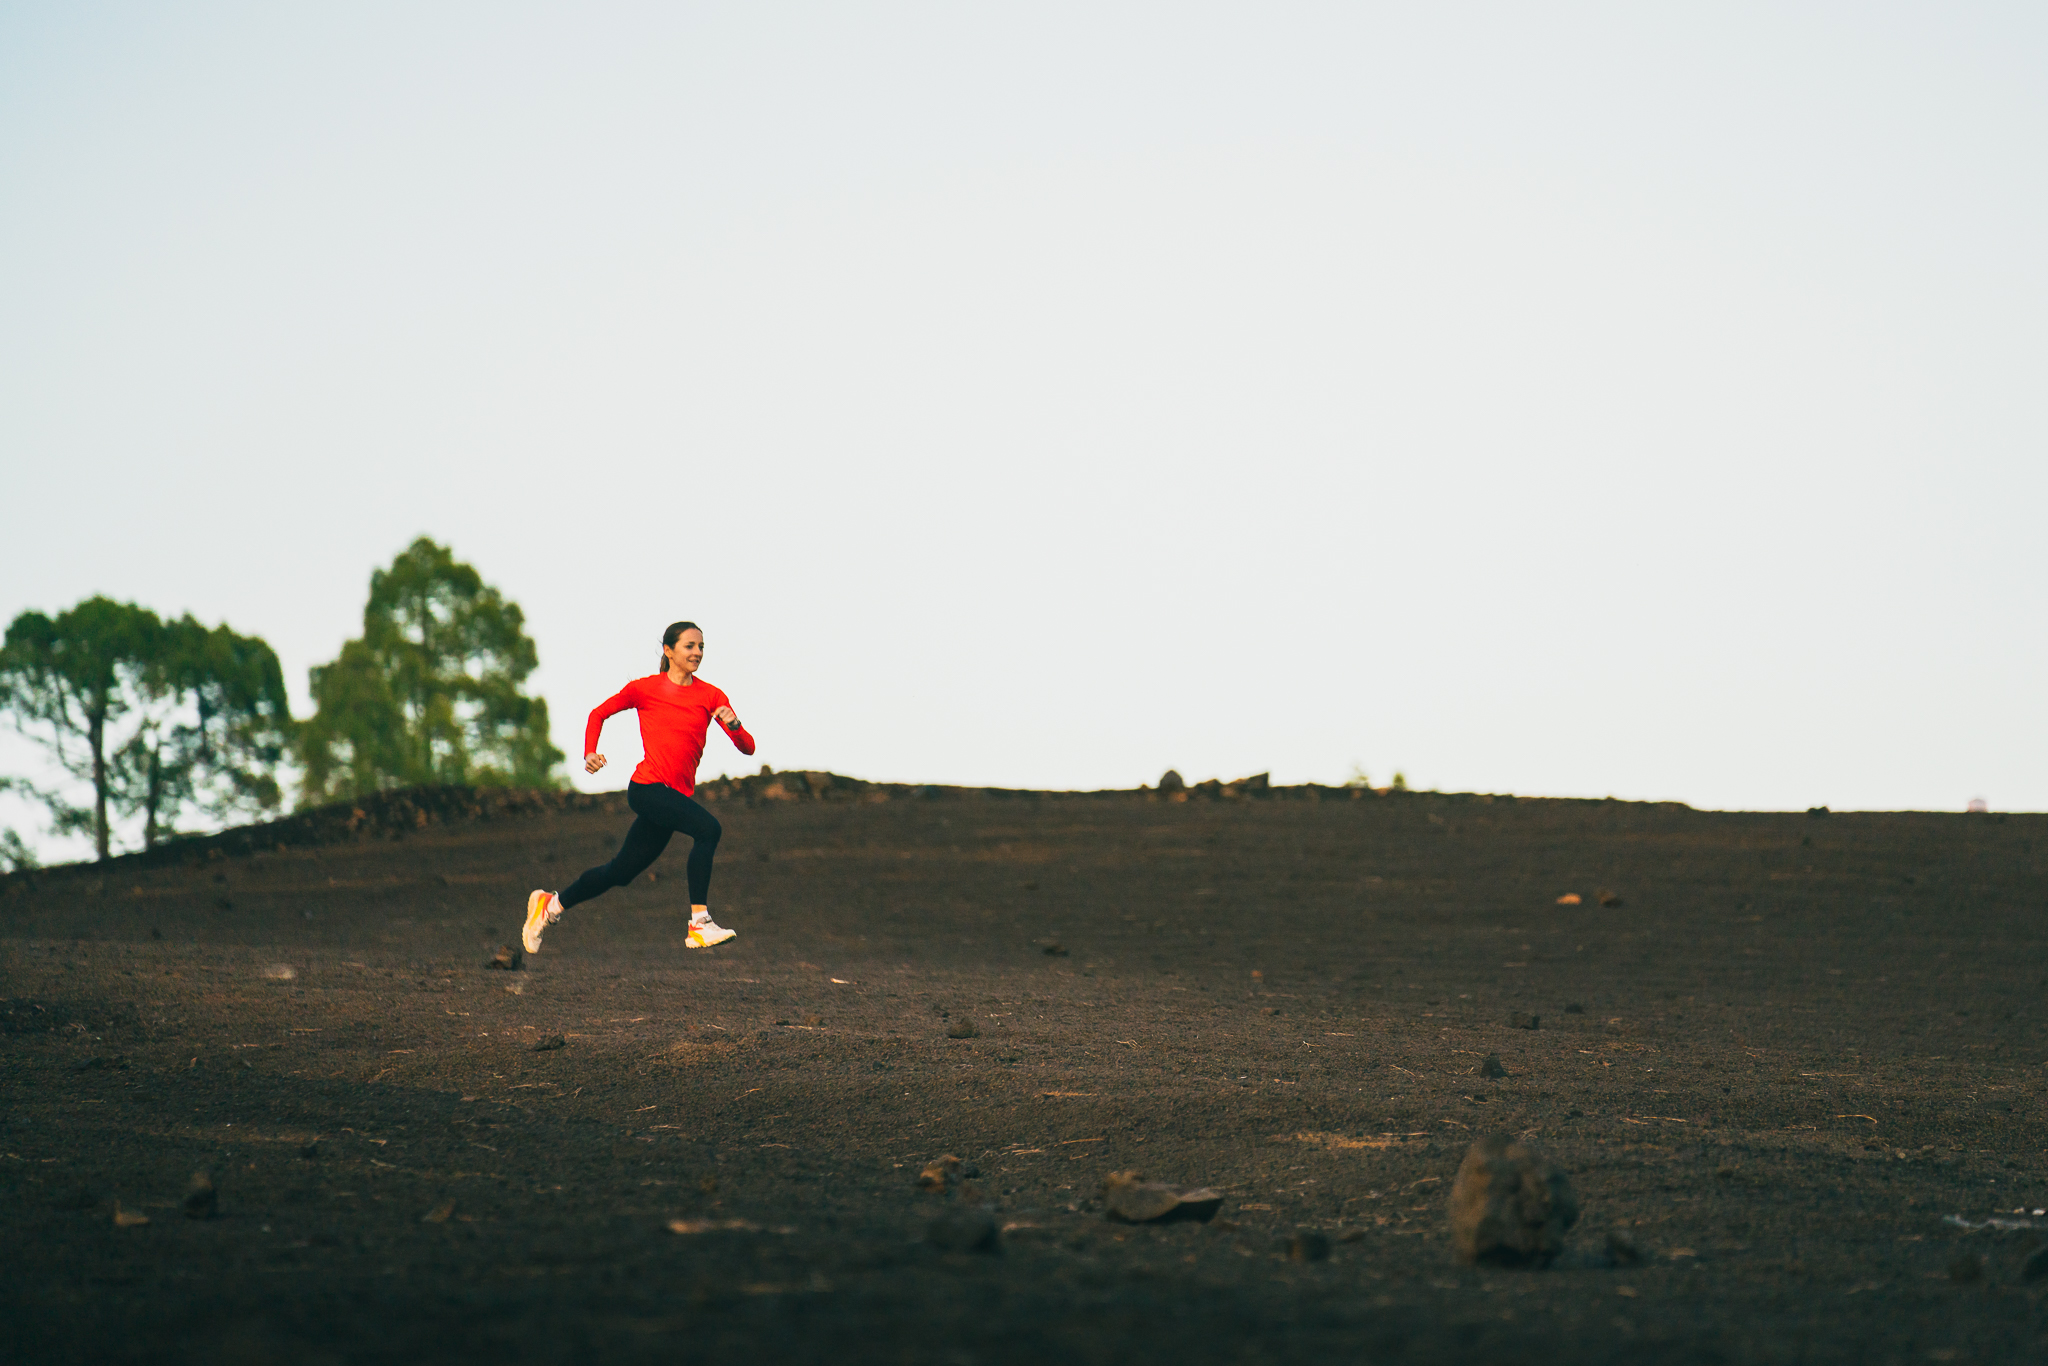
542	910
706	932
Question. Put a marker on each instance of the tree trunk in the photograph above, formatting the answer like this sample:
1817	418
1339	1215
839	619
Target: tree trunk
97	738
153	800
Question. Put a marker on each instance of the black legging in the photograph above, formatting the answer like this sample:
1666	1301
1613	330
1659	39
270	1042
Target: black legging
662	811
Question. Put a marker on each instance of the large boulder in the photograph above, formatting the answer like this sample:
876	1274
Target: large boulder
1510	1206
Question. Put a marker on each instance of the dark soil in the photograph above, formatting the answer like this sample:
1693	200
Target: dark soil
1774	1068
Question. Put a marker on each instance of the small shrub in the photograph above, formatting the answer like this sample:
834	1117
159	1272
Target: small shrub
16	856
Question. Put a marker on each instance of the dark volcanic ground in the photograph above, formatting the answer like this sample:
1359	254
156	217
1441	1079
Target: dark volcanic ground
1793	1050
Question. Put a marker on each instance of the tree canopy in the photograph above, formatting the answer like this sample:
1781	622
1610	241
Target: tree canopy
431	692
214	728
160	720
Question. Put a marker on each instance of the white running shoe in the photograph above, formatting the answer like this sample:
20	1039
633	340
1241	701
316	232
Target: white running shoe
706	932
542	910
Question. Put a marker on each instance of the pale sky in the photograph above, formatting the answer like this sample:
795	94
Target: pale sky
1556	399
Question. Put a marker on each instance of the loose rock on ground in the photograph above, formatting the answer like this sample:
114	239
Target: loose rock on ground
1510	1206
202	1201
1128	1197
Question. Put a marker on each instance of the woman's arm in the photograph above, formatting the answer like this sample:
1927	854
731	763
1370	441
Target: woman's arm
620	701
741	741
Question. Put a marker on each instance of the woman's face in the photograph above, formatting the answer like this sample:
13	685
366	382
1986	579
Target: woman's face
687	653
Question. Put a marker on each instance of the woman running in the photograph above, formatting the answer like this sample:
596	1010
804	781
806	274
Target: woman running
676	711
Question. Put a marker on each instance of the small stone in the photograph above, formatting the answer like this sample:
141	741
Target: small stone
1129	1198
508	958
961	1230
1966	1269
281	972
1569	899
310	1150
1523	1020
1607	898
1308	1246
1171	781
963	1029
128	1218
202	1201
941	1172
550	1044
439	1213
692	1226
1510	1206
2035	1267
1269	1010
1055	950
1491	1067
1139	1202
1622	1249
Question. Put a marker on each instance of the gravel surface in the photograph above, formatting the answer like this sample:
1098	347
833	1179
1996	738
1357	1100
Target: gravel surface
1784	1068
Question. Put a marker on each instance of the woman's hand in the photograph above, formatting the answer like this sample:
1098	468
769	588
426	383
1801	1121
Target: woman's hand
592	762
725	717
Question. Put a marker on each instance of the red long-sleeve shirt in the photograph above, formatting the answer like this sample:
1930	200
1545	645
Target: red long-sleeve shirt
674	718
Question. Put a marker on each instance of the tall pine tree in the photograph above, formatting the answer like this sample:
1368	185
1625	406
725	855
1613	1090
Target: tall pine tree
431	692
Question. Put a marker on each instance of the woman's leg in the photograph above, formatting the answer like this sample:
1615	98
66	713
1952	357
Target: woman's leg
679	813
644	842
684	816
704	830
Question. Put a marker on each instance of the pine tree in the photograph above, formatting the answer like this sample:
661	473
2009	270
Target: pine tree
160	721
61	680
213	728
431	690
